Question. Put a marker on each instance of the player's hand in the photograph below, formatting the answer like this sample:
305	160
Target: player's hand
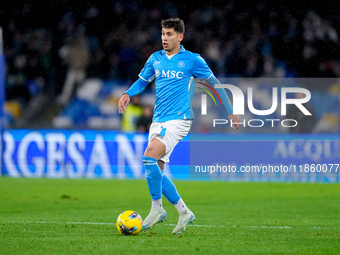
235	119
123	103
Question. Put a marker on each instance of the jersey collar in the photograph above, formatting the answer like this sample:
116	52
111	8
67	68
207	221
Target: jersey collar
180	51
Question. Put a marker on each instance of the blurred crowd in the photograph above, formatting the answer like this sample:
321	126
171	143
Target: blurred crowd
51	50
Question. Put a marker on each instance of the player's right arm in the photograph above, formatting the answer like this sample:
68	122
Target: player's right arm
135	89
145	77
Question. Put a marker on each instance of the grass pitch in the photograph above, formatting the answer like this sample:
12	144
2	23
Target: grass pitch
63	216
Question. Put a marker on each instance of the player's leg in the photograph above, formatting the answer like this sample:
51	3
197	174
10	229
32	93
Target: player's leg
170	192
153	152
168	134
176	131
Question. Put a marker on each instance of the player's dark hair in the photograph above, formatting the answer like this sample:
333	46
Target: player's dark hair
175	23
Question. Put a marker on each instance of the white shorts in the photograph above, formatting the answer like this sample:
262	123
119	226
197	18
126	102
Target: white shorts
169	133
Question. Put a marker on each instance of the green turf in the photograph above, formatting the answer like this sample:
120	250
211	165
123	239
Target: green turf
42	216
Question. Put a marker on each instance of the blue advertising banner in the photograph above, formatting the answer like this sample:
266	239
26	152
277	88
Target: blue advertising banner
110	154
81	154
301	157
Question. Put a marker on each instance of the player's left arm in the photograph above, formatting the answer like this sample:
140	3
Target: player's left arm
202	71
233	118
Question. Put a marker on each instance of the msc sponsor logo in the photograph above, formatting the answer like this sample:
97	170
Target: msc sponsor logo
171	74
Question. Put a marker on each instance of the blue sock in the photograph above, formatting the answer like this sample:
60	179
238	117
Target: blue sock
153	177
169	190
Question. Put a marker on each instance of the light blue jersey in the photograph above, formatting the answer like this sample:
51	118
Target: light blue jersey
175	83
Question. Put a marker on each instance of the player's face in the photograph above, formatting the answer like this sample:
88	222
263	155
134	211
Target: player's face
171	39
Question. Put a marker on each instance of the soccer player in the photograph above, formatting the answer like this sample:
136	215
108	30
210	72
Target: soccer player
175	71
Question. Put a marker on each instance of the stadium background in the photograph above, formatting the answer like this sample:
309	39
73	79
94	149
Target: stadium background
60	148
50	132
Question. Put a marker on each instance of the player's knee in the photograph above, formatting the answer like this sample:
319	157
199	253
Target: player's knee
150	153
153	153
155	149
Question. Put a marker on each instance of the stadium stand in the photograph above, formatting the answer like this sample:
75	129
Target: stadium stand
255	40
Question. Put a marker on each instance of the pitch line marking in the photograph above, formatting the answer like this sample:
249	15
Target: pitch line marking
60	222
234	226
191	225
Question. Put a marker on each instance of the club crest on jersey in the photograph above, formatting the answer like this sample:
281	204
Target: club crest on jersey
181	64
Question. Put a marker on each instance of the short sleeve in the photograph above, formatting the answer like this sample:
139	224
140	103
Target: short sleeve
148	73
200	69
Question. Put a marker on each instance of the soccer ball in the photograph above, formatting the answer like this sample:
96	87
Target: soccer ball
129	223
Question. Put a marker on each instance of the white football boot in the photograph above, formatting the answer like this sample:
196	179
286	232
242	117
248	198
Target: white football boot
154	217
185	218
